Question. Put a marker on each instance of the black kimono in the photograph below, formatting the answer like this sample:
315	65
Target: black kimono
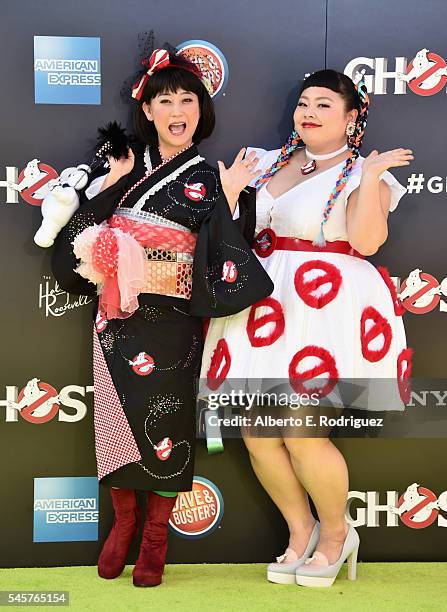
146	365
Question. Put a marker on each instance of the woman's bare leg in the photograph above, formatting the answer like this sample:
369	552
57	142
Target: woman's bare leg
272	465
322	471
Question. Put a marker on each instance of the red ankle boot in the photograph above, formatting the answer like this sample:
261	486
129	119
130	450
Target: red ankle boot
113	555
154	544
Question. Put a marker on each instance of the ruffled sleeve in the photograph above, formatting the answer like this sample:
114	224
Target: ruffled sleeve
248	196
227	277
397	190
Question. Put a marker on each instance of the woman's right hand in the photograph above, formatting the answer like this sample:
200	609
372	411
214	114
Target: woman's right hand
122	166
118	168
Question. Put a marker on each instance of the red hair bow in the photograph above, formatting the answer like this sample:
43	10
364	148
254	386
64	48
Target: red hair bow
159	59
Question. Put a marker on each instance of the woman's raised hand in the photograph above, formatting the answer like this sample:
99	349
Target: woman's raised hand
376	162
242	171
118	168
122	166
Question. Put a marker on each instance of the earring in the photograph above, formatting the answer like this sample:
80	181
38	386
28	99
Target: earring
350	128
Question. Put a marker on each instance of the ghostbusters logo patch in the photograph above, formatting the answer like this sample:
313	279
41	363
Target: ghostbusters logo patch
195	191
163	449
100	322
229	272
142	364
265	242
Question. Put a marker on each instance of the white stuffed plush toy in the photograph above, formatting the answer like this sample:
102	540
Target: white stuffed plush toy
60	204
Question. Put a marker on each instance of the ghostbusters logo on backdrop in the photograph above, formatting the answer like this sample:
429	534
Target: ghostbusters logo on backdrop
39	402
197	513
421	292
33	182
418	507
424	75
211	61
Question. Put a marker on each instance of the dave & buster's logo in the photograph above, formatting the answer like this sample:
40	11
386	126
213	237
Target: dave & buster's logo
198	512
210	60
425	74
418	507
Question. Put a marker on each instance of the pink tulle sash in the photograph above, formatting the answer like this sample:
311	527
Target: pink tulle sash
113	257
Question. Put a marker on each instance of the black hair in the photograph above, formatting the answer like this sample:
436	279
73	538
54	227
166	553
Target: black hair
180	75
337	82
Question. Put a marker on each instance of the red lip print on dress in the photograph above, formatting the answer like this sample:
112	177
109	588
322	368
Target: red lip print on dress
272	323
322	287
220	365
375	335
322	363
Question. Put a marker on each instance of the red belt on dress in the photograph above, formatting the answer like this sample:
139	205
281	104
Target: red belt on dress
267	241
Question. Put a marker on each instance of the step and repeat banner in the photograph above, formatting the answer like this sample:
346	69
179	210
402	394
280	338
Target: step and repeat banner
63	67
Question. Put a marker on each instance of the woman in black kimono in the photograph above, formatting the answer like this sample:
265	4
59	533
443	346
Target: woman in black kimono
157	236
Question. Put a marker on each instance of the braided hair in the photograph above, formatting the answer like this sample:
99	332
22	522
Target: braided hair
356	97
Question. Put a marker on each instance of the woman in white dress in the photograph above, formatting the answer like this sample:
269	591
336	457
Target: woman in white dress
320	209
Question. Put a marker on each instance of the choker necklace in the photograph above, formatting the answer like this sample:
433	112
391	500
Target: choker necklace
311	166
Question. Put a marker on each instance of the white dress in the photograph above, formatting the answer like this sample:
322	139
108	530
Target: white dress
346	325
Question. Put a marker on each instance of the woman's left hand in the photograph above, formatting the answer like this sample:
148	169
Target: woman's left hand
242	171
376	162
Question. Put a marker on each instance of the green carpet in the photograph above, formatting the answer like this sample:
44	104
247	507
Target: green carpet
398	587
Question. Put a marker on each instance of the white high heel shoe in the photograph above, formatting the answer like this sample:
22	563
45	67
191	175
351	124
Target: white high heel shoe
316	571
284	571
